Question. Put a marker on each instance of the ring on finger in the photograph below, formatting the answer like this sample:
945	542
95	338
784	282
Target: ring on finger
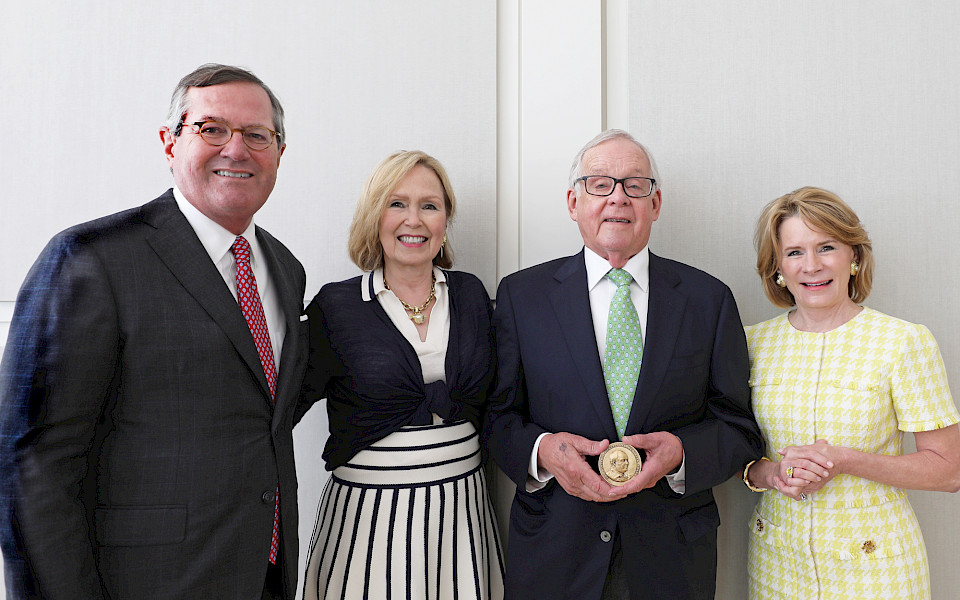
789	472
803	496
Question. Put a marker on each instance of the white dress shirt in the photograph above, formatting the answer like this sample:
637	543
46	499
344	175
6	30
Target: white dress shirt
217	242
432	351
601	291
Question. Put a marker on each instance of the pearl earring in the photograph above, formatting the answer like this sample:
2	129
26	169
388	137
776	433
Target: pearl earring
780	280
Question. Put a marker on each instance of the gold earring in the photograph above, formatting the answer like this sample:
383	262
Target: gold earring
780	280
442	244
854	268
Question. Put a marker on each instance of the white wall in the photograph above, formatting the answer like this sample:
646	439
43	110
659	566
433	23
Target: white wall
740	103
85	88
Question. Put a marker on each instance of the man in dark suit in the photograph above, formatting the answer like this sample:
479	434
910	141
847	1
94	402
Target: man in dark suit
566	331
150	379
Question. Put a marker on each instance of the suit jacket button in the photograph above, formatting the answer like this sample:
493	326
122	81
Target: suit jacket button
268	497
605	536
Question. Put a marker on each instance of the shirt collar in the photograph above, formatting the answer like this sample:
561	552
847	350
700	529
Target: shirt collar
638	266
215	239
373	280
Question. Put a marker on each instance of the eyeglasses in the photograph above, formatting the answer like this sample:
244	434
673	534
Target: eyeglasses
216	133
634	187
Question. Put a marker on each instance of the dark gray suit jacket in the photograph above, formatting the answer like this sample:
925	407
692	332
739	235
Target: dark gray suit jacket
693	383
140	447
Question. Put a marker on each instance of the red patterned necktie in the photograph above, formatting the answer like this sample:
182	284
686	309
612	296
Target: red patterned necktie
249	299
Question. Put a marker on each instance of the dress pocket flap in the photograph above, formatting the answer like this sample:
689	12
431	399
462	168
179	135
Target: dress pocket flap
761	377
863	548
867	547
765	532
140	525
846	381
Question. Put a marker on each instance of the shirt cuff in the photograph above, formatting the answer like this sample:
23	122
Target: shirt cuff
537	478
678	481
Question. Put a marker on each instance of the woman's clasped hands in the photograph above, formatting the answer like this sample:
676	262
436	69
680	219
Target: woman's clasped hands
804	470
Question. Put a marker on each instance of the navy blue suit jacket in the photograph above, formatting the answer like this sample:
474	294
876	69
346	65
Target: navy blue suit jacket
693	383
140	446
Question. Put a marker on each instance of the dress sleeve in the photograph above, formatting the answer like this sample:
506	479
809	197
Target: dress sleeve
921	394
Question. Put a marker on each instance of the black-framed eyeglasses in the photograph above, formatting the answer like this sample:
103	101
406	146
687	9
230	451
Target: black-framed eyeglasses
602	185
216	133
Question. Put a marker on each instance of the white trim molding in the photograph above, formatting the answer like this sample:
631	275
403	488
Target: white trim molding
6	315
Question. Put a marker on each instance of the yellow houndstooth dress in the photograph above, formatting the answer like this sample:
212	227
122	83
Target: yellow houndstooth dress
860	385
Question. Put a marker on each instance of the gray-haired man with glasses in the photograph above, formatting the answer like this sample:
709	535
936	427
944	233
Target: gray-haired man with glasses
151	376
616	344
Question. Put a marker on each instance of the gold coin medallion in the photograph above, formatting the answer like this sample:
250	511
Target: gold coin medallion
619	463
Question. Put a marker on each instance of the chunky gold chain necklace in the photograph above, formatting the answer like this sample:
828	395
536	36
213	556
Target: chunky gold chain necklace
417	316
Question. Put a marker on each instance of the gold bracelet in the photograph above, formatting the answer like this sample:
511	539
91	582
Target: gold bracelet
746	476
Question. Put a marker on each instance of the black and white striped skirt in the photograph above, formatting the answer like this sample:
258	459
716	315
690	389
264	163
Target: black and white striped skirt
409	517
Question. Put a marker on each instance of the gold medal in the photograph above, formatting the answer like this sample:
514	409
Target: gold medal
619	463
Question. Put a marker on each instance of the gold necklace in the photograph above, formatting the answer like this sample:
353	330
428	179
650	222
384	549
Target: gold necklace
417	316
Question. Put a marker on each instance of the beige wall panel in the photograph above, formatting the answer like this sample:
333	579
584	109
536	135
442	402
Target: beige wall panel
743	102
86	87
561	91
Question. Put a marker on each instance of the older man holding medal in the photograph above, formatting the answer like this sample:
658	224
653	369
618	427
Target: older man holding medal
616	344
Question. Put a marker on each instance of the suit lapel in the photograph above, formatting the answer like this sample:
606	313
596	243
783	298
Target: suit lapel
664	315
180	249
291	303
571	304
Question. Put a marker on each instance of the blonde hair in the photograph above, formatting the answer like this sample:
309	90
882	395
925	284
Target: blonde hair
821	210
364	243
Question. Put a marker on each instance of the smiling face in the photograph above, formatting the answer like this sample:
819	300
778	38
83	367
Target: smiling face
226	183
815	266
616	227
414	222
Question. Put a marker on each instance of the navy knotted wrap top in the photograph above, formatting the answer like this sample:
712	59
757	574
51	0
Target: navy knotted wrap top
377	384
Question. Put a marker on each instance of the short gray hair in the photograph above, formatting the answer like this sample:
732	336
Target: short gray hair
576	170
216	74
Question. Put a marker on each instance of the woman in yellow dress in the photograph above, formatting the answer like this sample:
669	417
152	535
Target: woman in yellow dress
835	384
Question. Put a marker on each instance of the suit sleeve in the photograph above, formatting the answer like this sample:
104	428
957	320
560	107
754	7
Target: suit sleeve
322	362
59	371
719	445
508	431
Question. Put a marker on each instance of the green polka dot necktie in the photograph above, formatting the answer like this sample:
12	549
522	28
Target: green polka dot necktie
621	365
